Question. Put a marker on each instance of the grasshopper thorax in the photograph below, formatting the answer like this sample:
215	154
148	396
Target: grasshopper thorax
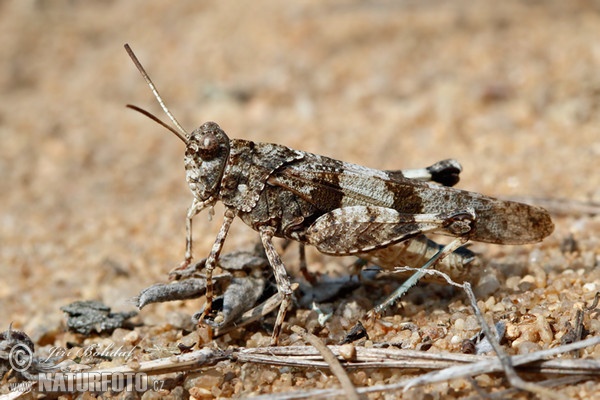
206	154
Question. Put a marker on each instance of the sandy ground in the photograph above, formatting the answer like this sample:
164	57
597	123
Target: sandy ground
93	195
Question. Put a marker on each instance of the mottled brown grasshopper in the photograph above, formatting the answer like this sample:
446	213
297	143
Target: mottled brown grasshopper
338	207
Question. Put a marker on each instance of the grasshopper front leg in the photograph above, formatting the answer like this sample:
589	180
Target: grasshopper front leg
192	211
212	259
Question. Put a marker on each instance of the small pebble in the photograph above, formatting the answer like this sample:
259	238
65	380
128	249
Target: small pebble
527	347
348	352
527	283
132	338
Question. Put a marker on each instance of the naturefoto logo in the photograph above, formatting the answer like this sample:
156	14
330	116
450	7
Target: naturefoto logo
69	382
95	382
44	375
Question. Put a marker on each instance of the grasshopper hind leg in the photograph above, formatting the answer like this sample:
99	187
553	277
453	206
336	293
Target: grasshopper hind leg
283	281
410	282
398	293
442	253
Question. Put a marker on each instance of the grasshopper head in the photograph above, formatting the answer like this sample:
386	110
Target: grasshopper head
206	153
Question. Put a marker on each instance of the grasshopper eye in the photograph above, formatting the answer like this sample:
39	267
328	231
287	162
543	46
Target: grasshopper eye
208	146
208	142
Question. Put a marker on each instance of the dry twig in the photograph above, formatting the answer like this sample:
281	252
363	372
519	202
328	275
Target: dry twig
447	365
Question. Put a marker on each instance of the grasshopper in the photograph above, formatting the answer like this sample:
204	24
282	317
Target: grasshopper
338	207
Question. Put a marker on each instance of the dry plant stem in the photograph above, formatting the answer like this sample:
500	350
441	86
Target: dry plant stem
465	364
331	360
487	365
455	365
303	356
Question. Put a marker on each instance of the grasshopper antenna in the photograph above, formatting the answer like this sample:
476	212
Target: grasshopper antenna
157	120
182	134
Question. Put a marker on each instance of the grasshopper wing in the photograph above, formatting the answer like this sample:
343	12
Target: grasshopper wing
330	184
357	229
